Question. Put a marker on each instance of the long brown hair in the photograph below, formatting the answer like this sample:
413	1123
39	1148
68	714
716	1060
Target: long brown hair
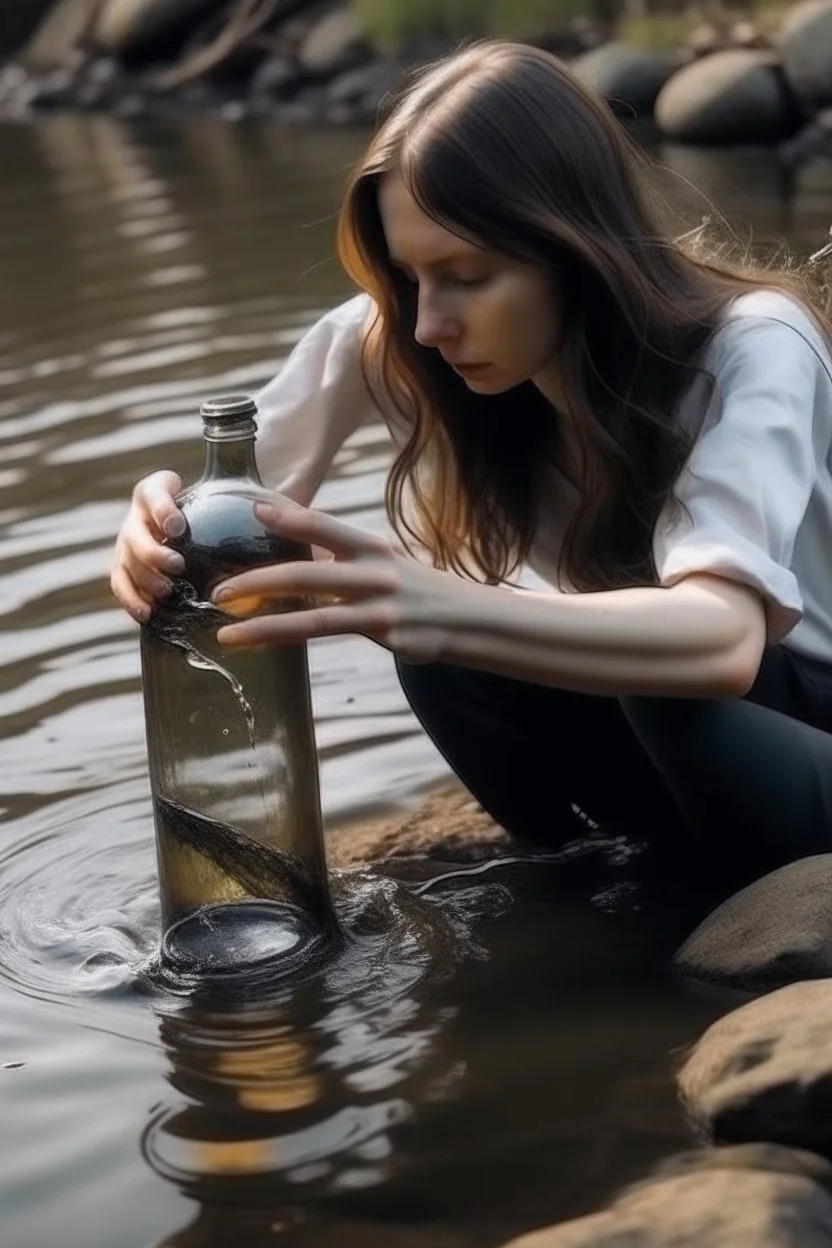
502	146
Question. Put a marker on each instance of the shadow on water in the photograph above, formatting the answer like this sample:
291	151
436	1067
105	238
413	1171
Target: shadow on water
470	1062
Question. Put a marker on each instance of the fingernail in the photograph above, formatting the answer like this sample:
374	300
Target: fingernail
174	526
222	595
270	509
174	562
141	615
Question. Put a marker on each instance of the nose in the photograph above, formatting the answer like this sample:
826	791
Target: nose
433	324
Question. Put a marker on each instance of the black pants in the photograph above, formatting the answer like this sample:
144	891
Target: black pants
738	786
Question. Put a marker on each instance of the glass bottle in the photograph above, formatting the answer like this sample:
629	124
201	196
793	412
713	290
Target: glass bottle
230	734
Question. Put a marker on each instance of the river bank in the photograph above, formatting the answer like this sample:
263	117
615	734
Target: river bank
730	81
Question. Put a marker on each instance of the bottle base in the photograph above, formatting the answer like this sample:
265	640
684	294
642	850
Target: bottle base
229	938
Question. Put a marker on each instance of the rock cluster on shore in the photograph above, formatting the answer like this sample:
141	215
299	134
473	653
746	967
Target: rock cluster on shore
736	88
755	1087
311	61
299	60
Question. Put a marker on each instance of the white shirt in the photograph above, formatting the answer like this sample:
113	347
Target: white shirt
757	489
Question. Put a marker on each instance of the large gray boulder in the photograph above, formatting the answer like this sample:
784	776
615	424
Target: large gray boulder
764	1071
628	78
774	932
131	29
735	96
760	1196
805	45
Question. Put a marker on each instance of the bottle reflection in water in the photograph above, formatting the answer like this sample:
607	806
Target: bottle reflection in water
291	1105
230	735
286	1107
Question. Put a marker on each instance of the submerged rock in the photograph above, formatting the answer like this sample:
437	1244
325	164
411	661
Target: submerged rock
776	931
735	96
764	1071
760	1196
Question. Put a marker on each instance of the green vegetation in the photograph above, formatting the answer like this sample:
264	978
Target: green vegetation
658	31
395	21
662	30
656	26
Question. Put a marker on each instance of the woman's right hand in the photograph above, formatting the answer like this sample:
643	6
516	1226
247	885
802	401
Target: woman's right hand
141	565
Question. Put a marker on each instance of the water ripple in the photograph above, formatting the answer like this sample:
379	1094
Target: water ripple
267	1073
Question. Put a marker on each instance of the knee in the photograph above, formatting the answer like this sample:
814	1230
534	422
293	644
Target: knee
428	685
673	727
447	687
420	679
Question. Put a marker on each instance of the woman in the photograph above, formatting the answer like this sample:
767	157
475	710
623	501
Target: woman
569	389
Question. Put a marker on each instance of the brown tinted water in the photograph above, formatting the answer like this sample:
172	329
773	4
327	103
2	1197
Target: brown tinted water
465	1066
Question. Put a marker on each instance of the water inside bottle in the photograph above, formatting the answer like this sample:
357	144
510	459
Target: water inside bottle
256	923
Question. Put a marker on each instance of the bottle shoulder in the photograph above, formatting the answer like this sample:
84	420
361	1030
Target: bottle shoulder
243	489
223	534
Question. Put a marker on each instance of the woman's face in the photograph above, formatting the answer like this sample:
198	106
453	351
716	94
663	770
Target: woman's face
494	320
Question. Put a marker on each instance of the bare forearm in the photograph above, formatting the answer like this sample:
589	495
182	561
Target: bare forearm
703	638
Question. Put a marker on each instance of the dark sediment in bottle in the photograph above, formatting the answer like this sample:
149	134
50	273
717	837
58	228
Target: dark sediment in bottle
251	868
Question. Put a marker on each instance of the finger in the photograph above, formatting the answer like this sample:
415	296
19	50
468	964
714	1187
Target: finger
292	580
151	585
140	549
316	528
154	495
294	627
128	595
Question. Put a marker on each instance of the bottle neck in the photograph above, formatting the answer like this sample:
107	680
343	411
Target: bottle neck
232	457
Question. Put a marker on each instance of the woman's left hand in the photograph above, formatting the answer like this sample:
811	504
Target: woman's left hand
395	601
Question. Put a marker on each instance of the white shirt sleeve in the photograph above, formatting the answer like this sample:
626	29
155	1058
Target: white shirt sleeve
315	402
747	485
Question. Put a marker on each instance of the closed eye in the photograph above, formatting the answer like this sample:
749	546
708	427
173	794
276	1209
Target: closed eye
447	279
454	280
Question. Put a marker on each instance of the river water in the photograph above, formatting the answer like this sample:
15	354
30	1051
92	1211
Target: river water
470	1068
